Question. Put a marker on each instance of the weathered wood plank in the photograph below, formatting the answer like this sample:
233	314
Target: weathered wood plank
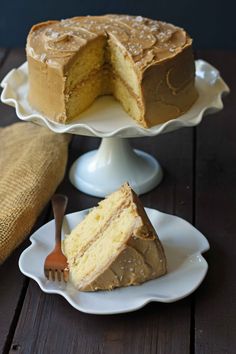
14	59
13	287
3	54
48	323
13	284
215	309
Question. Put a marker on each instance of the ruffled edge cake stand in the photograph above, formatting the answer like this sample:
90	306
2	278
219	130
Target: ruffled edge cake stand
99	172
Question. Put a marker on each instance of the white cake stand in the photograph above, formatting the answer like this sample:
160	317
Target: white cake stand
101	171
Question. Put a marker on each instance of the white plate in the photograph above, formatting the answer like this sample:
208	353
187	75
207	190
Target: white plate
183	246
106	117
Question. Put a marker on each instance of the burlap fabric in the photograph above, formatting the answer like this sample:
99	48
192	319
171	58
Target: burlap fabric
32	164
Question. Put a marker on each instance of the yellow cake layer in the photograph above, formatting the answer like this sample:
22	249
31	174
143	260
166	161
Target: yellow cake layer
101	252
126	97
152	59
85	92
90	229
122	64
88	80
90	58
102	82
114	245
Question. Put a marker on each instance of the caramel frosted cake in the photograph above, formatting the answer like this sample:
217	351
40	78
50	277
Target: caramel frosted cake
147	65
115	245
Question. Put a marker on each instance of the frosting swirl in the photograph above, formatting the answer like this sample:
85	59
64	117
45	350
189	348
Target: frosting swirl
146	40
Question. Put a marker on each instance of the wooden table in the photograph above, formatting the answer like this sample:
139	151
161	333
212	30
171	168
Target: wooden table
199	186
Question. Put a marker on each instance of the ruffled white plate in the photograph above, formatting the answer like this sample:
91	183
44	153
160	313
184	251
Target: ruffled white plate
106	117
183	246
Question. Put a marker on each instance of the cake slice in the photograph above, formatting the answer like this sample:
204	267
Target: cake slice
115	245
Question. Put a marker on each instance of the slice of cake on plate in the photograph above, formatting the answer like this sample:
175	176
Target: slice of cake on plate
115	245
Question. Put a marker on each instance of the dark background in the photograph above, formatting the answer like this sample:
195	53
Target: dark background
211	23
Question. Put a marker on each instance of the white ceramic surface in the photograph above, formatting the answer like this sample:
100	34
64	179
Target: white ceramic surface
101	172
106	117
183	246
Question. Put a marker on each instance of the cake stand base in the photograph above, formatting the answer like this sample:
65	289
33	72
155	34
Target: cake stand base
100	172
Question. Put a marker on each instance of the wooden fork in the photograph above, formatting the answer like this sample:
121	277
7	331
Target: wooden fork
55	265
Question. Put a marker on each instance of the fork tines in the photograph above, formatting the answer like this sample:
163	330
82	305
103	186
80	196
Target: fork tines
59	275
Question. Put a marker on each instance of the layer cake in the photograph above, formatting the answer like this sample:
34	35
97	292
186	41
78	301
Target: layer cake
147	65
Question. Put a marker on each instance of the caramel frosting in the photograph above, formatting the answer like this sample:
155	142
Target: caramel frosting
142	257
139	261
119	228
147	41
159	53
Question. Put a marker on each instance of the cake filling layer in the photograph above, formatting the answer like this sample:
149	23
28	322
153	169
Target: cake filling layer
103	251
114	245
99	82
91	58
152	61
95	222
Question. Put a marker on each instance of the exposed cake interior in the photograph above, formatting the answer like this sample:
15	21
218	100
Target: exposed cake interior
99	240
102	67
104	249
145	64
99	235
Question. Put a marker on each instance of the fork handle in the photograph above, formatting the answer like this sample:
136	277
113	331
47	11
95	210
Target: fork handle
59	204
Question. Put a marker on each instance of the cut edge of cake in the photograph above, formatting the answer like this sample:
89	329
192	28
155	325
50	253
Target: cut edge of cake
126	252
74	61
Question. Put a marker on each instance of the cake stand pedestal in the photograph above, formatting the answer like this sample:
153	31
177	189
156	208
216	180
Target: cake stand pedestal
102	171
